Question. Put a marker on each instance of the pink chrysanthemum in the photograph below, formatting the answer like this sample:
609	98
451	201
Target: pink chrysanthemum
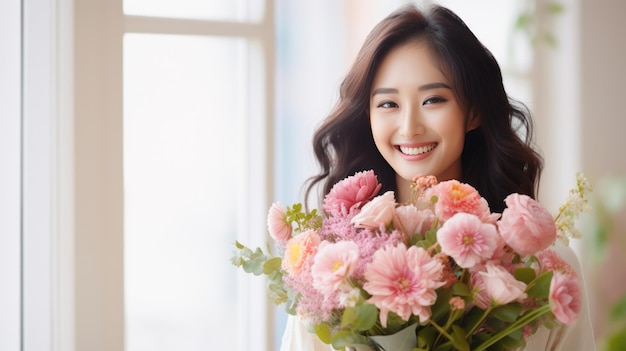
298	249
455	197
333	264
565	298
351	192
277	224
468	240
403	281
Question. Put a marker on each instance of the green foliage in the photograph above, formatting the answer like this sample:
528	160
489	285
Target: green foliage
540	287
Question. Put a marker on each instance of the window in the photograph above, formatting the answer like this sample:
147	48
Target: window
195	149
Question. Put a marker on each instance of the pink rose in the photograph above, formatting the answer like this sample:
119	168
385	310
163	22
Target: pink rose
277	224
379	211
501	286
565	298
409	220
351	192
526	226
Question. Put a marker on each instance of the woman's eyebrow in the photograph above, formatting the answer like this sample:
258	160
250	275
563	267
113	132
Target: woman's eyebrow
429	86
384	91
436	85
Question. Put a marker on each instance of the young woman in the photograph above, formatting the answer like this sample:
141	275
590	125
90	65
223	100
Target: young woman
425	97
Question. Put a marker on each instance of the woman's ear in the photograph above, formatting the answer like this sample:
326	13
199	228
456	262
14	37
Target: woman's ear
472	123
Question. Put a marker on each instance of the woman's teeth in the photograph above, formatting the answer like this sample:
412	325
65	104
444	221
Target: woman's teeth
417	150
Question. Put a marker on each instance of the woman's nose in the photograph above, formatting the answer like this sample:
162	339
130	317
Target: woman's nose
411	124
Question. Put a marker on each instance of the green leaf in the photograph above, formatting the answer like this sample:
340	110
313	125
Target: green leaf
619	309
272	265
507	313
239	245
345	338
348	317
525	274
368	315
540	287
459	339
323	333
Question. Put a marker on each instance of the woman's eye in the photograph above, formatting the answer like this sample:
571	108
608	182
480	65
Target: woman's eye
434	100
387	104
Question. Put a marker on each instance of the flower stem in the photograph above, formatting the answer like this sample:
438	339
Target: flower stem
440	329
520	323
479	322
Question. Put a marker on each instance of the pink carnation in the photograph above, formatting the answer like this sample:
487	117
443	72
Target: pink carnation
299	249
480	297
468	240
376	213
526	226
501	286
565	298
277	224
455	197
333	264
403	281
351	192
409	220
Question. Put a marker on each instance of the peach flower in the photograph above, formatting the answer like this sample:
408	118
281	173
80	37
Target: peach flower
299	249
332	265
526	226
454	197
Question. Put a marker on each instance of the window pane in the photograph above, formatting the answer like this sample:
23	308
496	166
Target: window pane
232	10
183	134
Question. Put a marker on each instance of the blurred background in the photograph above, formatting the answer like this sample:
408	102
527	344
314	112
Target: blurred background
140	138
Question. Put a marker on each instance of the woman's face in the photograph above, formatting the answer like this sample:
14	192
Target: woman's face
417	122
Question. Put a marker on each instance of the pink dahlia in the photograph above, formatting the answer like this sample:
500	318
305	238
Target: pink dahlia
403	281
468	240
376	213
299	249
565	298
351	192
332	265
277	225
526	226
454	197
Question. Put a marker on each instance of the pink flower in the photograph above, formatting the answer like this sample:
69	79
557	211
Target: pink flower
454	197
565	298
333	263
526	226
480	297
409	220
501	286
551	261
351	192
379	211
299	249
277	224
468	240
403	281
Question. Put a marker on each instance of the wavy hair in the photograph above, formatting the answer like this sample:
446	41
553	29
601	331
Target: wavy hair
498	157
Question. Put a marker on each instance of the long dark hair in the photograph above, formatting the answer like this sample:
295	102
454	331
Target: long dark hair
497	158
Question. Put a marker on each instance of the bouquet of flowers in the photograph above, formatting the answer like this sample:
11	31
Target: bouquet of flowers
440	273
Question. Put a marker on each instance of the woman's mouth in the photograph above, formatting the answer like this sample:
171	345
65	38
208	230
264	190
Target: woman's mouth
413	151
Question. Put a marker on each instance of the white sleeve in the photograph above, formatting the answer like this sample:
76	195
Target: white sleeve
578	336
297	338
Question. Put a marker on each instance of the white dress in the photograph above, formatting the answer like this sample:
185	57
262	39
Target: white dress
575	337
